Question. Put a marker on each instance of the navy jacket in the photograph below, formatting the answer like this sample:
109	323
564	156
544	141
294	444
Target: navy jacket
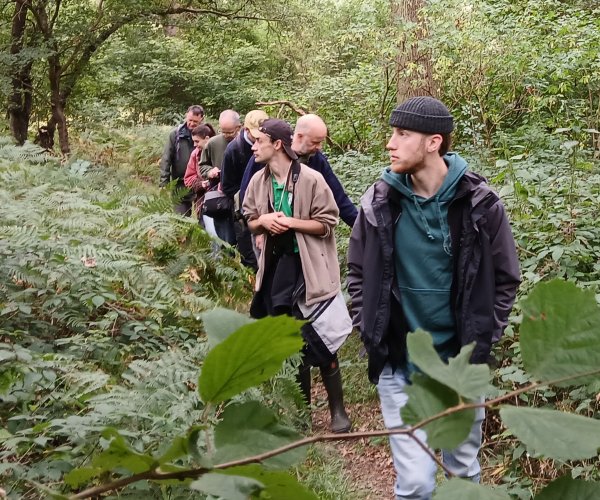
485	272
318	162
236	157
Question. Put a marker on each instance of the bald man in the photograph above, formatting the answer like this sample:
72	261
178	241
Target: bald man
211	163
309	134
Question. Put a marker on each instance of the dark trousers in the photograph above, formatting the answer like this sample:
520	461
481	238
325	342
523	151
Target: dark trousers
243	237
225	229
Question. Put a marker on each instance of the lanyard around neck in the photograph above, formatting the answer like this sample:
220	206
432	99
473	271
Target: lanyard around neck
285	190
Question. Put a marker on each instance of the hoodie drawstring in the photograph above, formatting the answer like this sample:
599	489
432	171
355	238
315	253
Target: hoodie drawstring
445	229
423	218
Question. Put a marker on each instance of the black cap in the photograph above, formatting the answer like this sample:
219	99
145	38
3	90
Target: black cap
423	114
279	130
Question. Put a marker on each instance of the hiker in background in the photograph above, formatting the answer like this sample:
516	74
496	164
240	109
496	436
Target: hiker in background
432	249
292	206
309	135
176	156
193	178
211	162
238	153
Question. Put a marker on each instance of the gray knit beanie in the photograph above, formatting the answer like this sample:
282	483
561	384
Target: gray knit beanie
423	114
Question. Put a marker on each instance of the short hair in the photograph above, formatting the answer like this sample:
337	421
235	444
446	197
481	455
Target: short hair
446	144
230	114
196	110
204	130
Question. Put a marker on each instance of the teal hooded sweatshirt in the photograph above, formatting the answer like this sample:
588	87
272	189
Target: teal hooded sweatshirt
423	257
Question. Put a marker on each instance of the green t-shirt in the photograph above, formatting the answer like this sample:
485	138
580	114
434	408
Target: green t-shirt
284	205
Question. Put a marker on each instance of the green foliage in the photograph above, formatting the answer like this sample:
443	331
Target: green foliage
428	398
575	437
248	357
471	381
559	334
461	489
566	487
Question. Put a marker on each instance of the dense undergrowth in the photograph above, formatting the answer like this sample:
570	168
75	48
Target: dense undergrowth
101	289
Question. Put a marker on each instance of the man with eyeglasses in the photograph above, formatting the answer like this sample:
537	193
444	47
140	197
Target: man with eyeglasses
211	162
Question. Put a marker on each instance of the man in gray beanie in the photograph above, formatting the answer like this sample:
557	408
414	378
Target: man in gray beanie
432	249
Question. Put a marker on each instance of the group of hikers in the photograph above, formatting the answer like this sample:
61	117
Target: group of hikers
431	248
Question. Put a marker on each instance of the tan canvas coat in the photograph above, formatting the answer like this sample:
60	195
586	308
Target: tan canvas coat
313	201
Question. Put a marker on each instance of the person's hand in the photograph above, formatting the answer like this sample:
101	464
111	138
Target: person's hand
205	184
271	222
214	173
287	222
258	241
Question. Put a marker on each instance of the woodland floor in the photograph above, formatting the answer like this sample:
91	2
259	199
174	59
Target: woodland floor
367	462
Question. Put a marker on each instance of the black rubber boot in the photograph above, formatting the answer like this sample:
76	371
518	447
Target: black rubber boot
332	379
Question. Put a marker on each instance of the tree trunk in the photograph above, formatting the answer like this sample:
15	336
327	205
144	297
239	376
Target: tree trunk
20	100
414	72
57	101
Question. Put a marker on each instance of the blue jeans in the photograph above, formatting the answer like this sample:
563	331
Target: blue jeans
225	229
415	469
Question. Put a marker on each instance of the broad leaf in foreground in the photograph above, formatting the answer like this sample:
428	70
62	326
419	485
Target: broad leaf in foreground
553	434
250	429
278	485
560	333
426	398
227	487
249	356
470	381
465	489
118	454
220	323
572	489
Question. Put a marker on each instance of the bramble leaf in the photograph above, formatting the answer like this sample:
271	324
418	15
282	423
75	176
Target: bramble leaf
249	356
250	429
560	333
553	434
426	398
568	488
470	381
465	489
220	323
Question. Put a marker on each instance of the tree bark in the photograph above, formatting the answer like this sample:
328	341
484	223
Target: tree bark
414	70
20	100
58	104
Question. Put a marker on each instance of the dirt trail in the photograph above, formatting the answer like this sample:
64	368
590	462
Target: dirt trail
368	462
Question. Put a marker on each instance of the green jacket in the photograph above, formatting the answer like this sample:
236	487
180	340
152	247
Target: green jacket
176	155
212	154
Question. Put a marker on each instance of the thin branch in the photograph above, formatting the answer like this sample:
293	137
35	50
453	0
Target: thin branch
55	16
297	109
427	450
220	13
157	475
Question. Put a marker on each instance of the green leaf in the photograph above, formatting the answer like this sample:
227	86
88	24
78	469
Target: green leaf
78	476
277	485
553	434
465	489
566	487
250	429
98	300
470	381
47	491
249	356
178	449
119	454
220	323
560	333
426	398
227	487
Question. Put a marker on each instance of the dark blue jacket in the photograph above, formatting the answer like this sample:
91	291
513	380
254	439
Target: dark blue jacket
236	157
318	162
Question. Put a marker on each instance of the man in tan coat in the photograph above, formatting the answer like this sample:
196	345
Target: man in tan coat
292	205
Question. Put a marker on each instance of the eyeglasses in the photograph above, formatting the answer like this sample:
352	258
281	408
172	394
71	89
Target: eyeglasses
229	134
